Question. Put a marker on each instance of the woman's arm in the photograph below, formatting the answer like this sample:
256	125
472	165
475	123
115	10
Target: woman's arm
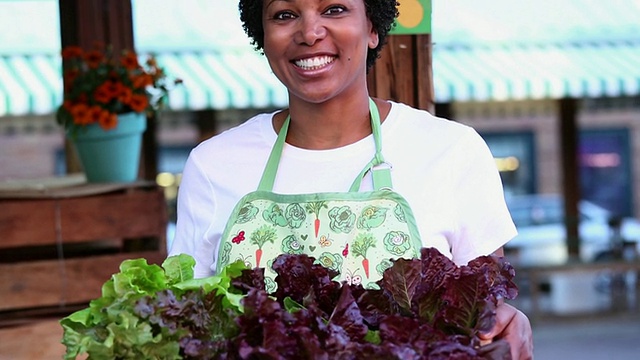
512	325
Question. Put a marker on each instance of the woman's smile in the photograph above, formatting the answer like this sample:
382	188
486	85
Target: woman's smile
314	63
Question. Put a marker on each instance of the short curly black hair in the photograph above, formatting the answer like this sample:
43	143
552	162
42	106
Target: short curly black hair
382	14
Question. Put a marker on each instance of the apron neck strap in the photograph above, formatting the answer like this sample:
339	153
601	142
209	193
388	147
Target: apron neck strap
380	170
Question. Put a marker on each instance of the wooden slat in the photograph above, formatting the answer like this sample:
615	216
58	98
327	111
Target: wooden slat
56	283
129	215
29	221
121	215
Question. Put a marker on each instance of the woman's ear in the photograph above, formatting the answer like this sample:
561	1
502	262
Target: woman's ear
374	40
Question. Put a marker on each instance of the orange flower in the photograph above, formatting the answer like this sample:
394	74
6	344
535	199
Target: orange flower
139	102
125	94
130	61
141	81
102	95
81	114
106	92
108	121
95	114
94	58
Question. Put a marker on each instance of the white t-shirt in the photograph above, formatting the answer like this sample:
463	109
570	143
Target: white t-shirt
442	168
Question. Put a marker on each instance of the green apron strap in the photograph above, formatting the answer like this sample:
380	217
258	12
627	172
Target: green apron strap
270	170
381	171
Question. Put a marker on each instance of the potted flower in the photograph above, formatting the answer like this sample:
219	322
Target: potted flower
106	99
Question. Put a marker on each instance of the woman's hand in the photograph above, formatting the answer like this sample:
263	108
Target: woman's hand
513	326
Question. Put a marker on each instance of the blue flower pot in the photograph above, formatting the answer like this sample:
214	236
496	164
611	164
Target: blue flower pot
112	155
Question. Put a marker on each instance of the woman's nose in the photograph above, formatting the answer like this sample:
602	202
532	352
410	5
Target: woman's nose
311	30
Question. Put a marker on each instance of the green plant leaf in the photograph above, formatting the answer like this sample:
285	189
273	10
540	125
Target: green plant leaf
179	268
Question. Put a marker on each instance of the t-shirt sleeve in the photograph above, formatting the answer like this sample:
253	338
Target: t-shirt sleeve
195	208
484	223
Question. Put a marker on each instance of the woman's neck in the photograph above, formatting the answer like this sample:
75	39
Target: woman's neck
330	124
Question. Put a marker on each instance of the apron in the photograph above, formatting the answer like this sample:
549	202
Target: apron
355	233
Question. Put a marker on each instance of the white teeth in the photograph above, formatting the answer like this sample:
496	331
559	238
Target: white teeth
314	63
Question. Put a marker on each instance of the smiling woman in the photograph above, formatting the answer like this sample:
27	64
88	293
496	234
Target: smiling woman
348	179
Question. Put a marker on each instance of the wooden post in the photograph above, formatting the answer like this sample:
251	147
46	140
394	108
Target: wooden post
86	23
568	108
403	72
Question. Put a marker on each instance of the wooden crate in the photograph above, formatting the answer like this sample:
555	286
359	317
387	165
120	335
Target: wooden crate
59	245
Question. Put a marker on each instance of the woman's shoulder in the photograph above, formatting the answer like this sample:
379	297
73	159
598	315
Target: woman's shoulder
419	121
256	130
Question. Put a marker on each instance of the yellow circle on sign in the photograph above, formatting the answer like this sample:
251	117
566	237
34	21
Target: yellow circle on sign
411	13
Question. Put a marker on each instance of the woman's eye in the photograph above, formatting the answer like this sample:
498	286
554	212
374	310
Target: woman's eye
335	10
283	15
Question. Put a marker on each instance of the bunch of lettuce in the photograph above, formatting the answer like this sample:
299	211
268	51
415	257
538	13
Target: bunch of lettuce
152	312
426	308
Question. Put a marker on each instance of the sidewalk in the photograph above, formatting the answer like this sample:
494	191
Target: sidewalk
609	337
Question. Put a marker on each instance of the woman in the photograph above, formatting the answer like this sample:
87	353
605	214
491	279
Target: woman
321	51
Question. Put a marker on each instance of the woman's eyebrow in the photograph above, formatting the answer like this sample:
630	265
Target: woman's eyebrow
272	1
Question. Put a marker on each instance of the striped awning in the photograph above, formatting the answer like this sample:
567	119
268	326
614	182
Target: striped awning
511	72
225	80
32	84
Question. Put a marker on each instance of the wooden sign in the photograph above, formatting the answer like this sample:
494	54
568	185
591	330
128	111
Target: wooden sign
415	17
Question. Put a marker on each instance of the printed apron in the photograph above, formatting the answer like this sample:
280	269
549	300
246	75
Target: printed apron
355	233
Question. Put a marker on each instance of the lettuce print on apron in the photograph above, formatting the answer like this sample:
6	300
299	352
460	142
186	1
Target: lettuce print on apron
356	233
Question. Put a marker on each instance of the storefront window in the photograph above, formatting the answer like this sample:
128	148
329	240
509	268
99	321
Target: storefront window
515	157
605	171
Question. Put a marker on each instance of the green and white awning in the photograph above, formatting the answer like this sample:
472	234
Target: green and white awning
226	80
536	72
32	84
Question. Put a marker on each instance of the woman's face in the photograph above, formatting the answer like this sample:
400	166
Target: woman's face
318	48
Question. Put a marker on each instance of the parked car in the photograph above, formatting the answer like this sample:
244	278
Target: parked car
541	238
